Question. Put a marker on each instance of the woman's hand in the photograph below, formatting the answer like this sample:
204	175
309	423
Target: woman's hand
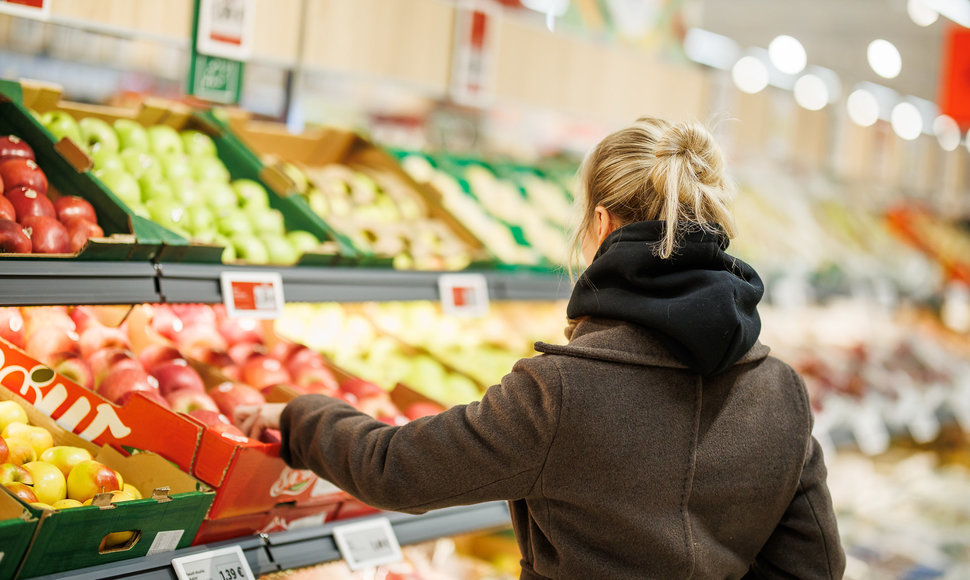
252	419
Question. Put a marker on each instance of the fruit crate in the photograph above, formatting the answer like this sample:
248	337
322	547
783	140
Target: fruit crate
127	236
165	519
17	528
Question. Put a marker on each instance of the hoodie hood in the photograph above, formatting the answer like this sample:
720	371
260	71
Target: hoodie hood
701	303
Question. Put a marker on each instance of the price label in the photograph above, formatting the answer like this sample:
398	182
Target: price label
367	544
252	294
226	28
222	564
463	294
40	9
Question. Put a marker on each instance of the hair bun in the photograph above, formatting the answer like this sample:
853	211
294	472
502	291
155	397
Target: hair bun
692	142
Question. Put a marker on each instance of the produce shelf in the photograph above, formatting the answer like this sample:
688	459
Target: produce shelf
50	282
306	547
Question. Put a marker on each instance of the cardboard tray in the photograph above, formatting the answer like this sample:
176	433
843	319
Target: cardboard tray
17	528
166	519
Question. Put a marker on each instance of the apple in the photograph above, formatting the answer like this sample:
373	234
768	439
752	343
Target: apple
264	220
241	351
62	125
131	490
131	135
89	478
23	491
11	472
97	134
68	503
261	370
12	146
422	409
122	184
120	381
105	159
4	450
47	235
65	457
7	210
278	250
11	412
197	144
200	219
104	361
141	164
229	432
187	400
38	437
271	436
218	196
209	417
233	222
12	326
19	451
50	484
195	314
176	375
302	241
197	341
378	406
361	388
168	213
320	377
165	321
72	207
164	140
151	395
176	167
185	189
75	368
80	231
22	172
83	318
218	358
249	249
98	337
152	188
236	330
229	395
229	252
156	354
208	168
28	202
47	343
250	193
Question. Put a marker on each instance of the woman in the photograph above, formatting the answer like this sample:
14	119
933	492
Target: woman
661	442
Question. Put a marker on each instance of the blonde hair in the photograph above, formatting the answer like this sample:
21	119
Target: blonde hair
656	170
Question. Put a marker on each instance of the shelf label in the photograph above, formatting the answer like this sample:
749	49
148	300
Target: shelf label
367	544
222	564
226	28
463	294
473	53
252	294
40	9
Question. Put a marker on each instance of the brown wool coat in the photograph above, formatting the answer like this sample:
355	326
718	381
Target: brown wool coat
618	463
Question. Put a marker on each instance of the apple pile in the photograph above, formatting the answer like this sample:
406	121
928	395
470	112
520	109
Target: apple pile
51	476
176	179
29	221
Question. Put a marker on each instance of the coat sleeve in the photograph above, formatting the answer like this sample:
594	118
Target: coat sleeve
493	449
805	544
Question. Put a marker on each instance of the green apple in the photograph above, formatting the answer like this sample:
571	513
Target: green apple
197	144
139	209
250	193
318	202
155	189
209	169
218	195
265	220
97	135
131	135
62	125
250	249
140	164
302	241
296	174
163	140
104	158
229	254
175	165
233	222
169	214
278	249
201	219
186	190
122	184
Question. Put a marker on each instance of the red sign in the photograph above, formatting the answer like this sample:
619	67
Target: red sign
249	294
955	85
27	8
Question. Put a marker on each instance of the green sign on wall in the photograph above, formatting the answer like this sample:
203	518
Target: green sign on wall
213	78
222	32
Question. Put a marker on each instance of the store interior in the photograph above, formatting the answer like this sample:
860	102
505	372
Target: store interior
375	152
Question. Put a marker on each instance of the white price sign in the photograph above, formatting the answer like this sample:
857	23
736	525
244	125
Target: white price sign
40	9
463	294
222	564
226	28
367	544
252	294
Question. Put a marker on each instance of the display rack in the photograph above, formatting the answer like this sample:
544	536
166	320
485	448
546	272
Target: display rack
306	547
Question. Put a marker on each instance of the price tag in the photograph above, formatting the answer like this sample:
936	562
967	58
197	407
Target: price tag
252	294
368	543
463	294
226	28
222	564
40	9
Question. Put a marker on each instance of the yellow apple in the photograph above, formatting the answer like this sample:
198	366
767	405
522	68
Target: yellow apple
20	452
115	539
63	504
65	457
11	412
11	472
41	505
49	482
89	478
130	489
121	480
22	491
38	437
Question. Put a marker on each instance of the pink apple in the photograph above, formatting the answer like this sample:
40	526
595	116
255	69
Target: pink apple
198	341
232	372
209	417
241	351
97	338
37	317
12	326
329	389
165	321
422	409
123	380
188	400
44	343
317	376
261	370
282	350
236	330
74	368
195	315
361	388
177	375
103	361
83	318
151	395
230	395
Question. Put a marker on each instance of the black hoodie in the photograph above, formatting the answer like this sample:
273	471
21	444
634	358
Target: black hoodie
700	302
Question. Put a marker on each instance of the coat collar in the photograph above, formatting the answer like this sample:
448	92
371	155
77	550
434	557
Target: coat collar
622	342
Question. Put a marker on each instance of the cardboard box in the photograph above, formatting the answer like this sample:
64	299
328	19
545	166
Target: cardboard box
17	527
167	518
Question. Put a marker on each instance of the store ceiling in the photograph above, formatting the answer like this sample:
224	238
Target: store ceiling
835	34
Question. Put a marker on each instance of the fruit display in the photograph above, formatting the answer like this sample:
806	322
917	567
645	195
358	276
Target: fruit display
944	242
34	217
176	179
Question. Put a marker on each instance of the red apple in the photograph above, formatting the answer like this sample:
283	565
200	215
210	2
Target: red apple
317	376
45	344
238	330
377	406
96	338
361	388
155	354
230	395
80	231
74	368
177	375
104	361
165	321
47	235
261	370
13	238
4	451
73	207
303	357
89	478
282	349
27	201
22	491
18	171
209	417
187	400
83	317
195	315
12	326
152	395
329	389
198	341
12	147
123	380
232	372
418	410
47	316
240	352
7	210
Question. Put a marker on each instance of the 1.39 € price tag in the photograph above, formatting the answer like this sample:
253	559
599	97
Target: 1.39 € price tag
368	543
222	564
252	294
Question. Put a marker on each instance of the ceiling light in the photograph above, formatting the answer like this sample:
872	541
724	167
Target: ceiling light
920	13
906	121
947	132
863	108
884	58
811	92
750	75
711	49
787	54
